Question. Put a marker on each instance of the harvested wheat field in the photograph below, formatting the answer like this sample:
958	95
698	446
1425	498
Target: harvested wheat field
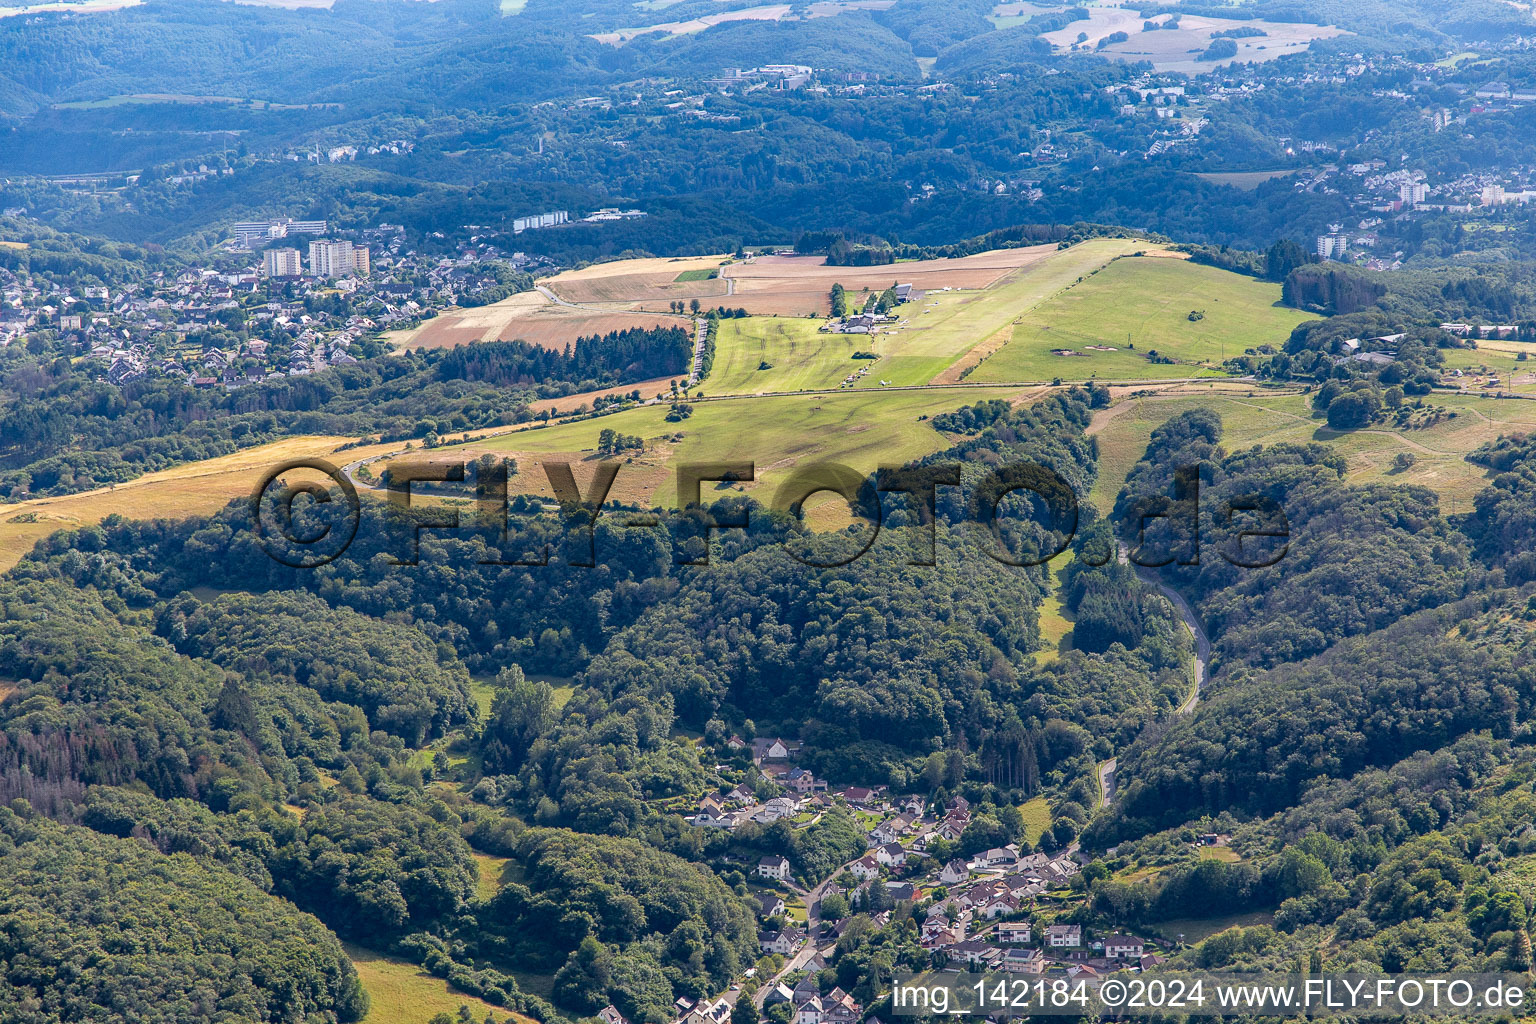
197	488
651	281
528	316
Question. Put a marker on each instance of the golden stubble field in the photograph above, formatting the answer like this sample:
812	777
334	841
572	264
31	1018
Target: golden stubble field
197	488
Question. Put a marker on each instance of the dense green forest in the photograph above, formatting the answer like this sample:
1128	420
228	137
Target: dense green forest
1369	695
215	769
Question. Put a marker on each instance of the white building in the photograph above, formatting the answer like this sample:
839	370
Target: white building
1013	933
282	263
338	258
249	232
1124	947
1064	935
773	867
540	220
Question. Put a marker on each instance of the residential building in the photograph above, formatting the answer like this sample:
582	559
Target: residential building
282	263
1013	933
774	867
1059	936
955	872
782	942
1021	961
1124	947
328	258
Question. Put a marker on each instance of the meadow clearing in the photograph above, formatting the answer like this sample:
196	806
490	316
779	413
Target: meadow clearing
400	992
930	342
1177	49
1111	322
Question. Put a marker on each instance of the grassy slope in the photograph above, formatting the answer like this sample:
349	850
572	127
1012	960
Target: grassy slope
801	357
196	488
1145	302
939	328
959	320
861	429
1439	450
402	993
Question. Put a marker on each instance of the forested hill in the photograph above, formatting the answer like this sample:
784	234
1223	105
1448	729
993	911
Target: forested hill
352	743
276	729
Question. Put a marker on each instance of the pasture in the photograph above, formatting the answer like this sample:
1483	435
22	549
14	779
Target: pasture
1107	325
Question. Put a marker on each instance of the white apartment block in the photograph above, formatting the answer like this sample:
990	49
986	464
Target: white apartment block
336	258
282	263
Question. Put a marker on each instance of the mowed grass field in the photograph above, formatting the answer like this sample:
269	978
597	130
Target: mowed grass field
942	327
862	429
799	355
1146	303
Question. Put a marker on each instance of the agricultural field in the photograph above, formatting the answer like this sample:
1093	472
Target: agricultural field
643	283
528	316
197	488
1176	49
797	285
1110	322
935	340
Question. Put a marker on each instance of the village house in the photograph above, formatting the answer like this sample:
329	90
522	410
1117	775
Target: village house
1021	961
1013	933
783	942
891	855
770	905
1063	936
1124	947
610	1015
773	750
774	867
865	868
972	951
955	872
